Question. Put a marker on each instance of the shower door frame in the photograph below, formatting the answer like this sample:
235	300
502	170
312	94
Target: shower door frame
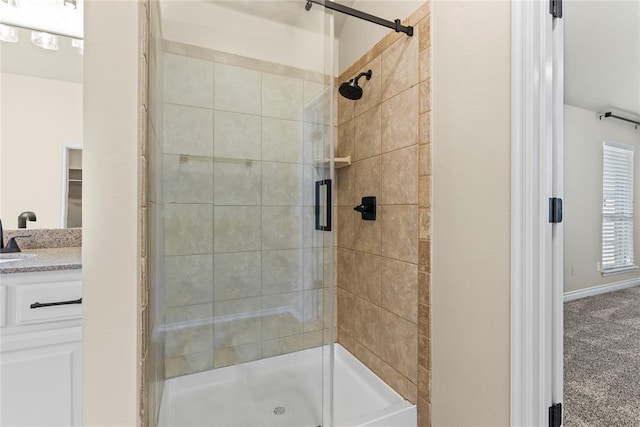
328	203
331	53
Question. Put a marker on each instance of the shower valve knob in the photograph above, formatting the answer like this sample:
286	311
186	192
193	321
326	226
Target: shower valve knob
367	208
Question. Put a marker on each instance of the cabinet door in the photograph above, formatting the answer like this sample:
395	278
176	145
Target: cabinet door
41	384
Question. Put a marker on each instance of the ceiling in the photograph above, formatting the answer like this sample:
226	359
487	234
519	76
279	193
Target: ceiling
602	55
45	15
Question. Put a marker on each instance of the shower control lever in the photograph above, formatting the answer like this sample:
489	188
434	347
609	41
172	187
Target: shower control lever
367	208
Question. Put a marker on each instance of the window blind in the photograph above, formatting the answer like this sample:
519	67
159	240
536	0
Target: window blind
617	207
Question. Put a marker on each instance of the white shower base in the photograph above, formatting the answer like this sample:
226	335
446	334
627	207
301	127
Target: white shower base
248	394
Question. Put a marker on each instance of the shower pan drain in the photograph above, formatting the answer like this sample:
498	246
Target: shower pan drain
279	410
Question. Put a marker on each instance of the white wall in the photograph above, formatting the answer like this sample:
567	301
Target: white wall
358	36
39	116
111	214
471	213
584	134
219	28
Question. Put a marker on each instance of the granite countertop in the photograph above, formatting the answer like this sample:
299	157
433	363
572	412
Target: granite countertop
45	260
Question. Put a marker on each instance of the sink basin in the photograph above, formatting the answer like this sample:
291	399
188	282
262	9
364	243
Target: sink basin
13	257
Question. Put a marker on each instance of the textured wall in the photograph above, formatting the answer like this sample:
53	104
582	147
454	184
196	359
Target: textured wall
383	265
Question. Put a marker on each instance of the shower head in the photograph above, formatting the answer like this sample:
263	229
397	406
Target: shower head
350	89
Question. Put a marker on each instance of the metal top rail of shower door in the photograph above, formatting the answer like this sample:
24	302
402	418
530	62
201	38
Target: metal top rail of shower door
394	25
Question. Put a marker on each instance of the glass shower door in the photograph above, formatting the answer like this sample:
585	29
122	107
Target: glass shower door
246	147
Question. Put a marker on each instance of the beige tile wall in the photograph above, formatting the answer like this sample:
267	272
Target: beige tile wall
383	266
244	264
424	219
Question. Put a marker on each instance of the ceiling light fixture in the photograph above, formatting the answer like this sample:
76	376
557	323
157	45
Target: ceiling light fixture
8	34
57	17
44	40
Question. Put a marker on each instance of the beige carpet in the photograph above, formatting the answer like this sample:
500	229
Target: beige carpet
602	360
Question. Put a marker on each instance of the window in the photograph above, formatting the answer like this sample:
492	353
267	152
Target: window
617	208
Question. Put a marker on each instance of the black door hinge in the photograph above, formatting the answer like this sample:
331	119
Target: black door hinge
555	210
555	8
555	415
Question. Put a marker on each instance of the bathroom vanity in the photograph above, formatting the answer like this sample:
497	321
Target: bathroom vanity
41	339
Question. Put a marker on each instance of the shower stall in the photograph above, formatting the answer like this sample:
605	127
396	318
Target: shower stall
242	300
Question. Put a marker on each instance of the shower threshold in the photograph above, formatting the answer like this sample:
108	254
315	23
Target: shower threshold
285	391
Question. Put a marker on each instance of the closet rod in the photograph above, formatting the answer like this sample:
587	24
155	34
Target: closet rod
610	114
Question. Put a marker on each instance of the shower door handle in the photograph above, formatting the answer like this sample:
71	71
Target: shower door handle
319	185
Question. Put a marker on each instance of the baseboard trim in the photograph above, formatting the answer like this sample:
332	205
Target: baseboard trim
602	289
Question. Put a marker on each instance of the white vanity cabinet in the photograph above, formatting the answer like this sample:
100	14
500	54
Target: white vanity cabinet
41	348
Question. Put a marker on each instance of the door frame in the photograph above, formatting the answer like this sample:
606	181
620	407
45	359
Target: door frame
536	245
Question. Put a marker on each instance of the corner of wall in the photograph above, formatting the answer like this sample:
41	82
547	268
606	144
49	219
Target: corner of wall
111	211
383	266
471	212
